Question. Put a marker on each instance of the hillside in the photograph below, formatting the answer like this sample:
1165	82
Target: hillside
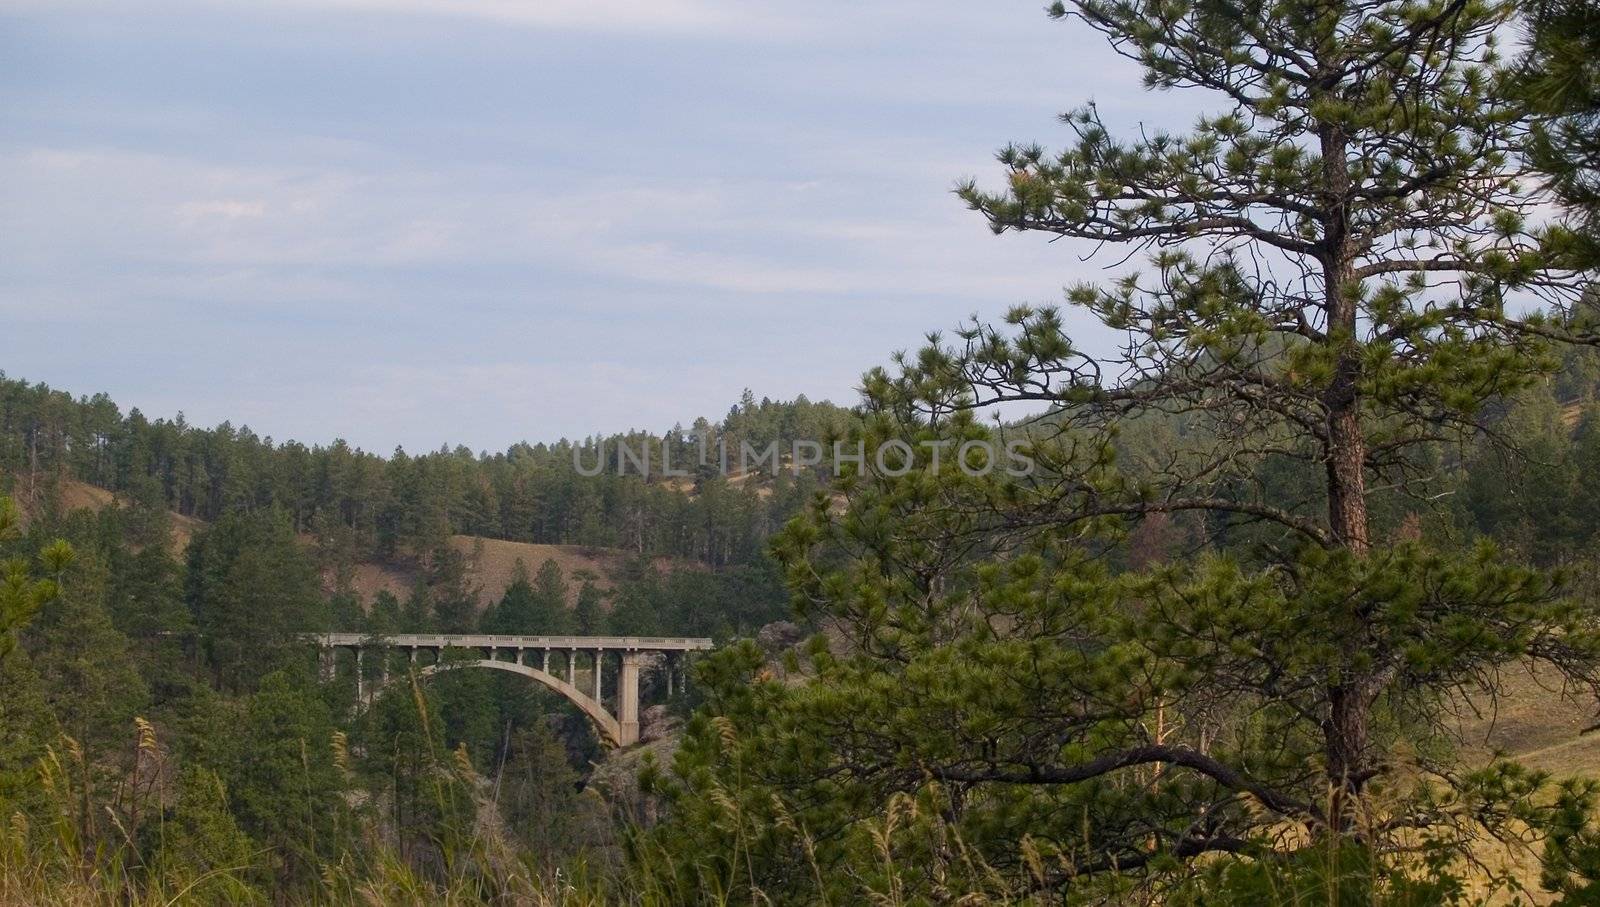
491	563
72	494
1538	724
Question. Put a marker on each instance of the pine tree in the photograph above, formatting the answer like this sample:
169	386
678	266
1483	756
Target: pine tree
1340	266
200	851
586	614
407	762
535	607
550	600
26	728
385	615
285	787
1559	80
21	595
1364	165
455	602
92	683
145	601
540	796
252	591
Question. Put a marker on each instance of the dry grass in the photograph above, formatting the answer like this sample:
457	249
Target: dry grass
491	563
492	566
1538	725
76	495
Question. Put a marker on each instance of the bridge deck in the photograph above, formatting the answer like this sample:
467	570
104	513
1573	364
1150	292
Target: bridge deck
480	641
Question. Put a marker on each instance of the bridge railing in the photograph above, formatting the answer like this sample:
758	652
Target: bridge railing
500	641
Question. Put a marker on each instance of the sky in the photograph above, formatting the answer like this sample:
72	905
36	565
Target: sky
419	222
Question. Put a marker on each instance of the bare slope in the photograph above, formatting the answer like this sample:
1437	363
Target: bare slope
492	565
76	495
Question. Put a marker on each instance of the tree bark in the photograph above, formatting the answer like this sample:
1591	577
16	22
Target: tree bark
1346	726
1346	453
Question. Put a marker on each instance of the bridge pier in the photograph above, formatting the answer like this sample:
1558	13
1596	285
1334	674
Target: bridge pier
628	700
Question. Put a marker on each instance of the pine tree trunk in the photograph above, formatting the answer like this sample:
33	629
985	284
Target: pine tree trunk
1346	726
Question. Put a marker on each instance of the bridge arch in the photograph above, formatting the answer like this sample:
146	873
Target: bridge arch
608	726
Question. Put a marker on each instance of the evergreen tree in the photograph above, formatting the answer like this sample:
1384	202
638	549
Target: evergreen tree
408	767
536	607
21	595
252	590
1336	263
145	602
550	600
92	685
26	728
540	797
455	603
638	603
587	617
1559	80
514	611
200	852
416	616
385	615
285	786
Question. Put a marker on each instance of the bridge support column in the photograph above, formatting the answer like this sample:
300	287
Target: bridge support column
546	667
628	700
599	689
572	667
361	679
672	667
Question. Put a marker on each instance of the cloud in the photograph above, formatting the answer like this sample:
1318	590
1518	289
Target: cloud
767	236
419	220
225	209
666	17
626	15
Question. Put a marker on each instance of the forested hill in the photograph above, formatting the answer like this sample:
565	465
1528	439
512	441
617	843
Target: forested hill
376	507
186	562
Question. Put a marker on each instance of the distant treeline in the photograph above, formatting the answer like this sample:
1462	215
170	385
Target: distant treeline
392	506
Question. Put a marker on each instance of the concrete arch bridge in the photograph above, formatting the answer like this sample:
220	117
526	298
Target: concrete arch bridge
574	666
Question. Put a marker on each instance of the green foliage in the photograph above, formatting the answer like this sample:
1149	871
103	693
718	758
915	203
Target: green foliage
454	601
586	613
251	591
26	724
92	685
1205	654
200	850
417	779
1558	80
1337	874
21	596
286	790
540	799
361	506
1328	319
1094	718
536	608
